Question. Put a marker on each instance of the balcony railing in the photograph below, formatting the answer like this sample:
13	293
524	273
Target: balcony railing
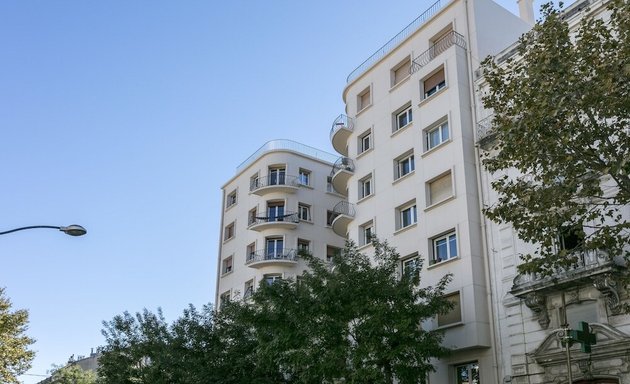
286	145
283	254
396	40
289	217
341	122
343	163
444	43
271	180
344	208
484	130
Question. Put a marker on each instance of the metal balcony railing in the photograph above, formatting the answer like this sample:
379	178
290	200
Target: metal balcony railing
343	163
286	254
344	208
289	217
287	145
444	43
484	128
396	40
341	122
271	180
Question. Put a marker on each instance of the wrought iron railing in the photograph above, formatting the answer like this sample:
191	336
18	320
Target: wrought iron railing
289	217
287	254
444	43
344	208
484	128
271	180
341	122
343	163
394	41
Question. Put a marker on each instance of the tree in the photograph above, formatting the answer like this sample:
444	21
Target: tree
561	114
15	357
358	321
72	374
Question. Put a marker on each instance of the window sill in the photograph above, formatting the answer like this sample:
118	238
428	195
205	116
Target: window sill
226	240
360	155
229	207
364	109
428	152
406	176
403	128
227	273
433	96
430	207
364	198
448	326
398	84
364	246
442	263
305	186
401	230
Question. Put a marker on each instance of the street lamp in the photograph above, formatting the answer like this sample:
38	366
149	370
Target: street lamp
72	230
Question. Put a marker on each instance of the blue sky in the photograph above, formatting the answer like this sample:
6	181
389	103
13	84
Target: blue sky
127	116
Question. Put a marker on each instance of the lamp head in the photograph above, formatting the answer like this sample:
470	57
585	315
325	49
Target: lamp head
73	230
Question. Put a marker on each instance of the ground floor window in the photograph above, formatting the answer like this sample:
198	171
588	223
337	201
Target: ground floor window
468	373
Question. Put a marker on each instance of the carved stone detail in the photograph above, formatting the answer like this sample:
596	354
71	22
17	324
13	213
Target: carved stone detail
538	304
609	287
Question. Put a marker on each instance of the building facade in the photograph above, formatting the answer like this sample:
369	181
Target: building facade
278	204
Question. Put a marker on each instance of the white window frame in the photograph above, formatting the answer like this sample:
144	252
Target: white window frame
300	245
366	233
250	251
440	129
410	265
304	177
446	237
410	210
407	113
227	265
360	96
231	199
400	165
304	212
271	278
427	93
248	289
365	142
404	63
229	231
366	186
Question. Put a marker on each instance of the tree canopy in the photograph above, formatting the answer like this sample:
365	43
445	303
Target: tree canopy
562	149
357	319
15	357
72	374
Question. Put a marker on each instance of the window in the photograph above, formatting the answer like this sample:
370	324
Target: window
329	186
407	215
224	298
251	216
275	211
304	177
277	176
248	290
251	251
440	189
228	233
274	247
436	136
231	199
404	165
411	265
254	182
364	99
467	373
226	266
304	212
304	246
570	238
401	71
331	252
330	217
365	142
271	278
443	248
365	186
434	83
454	315
366	233
403	118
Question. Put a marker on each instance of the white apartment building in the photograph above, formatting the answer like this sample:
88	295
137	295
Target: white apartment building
409	167
530	309
278	202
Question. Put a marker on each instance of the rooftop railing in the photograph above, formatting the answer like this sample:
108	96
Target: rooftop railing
394	41
290	145
444	43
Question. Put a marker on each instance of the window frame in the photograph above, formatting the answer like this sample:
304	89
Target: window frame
361	106
447	237
411	209
406	62
300	246
227	265
366	184
458	319
231	199
304	208
248	289
428	93
229	232
440	128
411	264
361	146
366	233
273	277
407	112
399	162
430	201
304	177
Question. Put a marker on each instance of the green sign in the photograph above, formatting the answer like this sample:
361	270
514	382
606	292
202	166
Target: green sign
583	336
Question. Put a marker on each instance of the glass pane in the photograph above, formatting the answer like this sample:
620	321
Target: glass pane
440	250
434	138
444	130
452	246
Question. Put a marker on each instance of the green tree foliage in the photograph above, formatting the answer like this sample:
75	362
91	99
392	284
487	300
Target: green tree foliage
561	114
355	322
72	374
15	357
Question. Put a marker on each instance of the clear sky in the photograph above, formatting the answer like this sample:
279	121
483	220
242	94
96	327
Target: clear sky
127	116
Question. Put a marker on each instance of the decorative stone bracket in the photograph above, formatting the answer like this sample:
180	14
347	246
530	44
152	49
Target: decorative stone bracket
609	287
538	304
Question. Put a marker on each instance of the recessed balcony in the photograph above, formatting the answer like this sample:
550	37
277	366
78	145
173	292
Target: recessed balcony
340	132
273	183
289	220
341	172
265	257
344	212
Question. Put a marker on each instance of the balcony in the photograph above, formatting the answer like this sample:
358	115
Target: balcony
444	43
341	172
289	220
340	132
273	183
265	257
485	133
594	267
344	212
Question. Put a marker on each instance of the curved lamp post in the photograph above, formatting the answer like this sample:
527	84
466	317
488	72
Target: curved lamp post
72	230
